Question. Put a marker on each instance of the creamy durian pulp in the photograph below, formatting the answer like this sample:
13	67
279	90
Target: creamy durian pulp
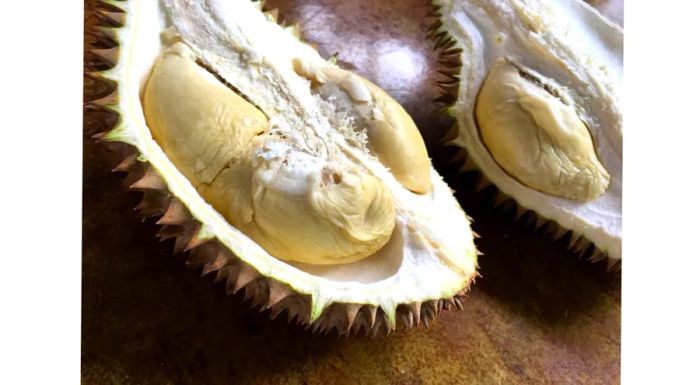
296	205
309	175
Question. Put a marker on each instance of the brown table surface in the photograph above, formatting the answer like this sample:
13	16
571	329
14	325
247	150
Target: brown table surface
539	314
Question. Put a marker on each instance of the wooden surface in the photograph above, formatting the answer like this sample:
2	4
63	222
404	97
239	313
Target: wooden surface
539	315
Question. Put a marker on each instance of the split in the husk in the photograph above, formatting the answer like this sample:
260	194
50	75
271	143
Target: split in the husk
302	184
534	88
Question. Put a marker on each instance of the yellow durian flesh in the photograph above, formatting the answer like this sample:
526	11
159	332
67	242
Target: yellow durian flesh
392	135
537	138
297	206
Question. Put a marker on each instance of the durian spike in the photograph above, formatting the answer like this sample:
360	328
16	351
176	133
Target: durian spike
149	181
176	214
277	292
351	311
127	164
219	262
246	275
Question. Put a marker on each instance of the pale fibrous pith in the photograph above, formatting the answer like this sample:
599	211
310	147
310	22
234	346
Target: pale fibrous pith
298	182
535	90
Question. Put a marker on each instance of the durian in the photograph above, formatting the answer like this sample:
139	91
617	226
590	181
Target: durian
535	88
299	182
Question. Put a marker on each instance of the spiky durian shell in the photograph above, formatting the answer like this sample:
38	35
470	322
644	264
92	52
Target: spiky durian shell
448	82
206	253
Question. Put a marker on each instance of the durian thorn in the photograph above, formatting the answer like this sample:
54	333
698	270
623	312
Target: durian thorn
452	51
482	183
458	303
217	264
406	318
149	181
444	41
414	309
246	275
106	37
539	222
434	305
439	38
114	5
351	310
108	19
277	292
520	211
375	329
176	214
559	233
110	56
181	241
127	164
425	320
232	277
167	232
222	274
500	198
434	10
434	13
581	247
372	316
151	203
597	255
275	312
449	74
437	24
249	295
109	101
573	240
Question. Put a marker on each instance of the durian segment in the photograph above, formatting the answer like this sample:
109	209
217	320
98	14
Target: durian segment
296	206
432	250
537	138
576	55
391	134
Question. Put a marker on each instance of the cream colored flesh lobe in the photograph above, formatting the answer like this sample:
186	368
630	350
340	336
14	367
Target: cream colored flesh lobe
537	138
539	108
265	143
298	207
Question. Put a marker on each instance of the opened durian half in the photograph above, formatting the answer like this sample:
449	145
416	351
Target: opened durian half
299	182
534	87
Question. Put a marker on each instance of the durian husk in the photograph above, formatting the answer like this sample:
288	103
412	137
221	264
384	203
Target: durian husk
208	254
450	62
